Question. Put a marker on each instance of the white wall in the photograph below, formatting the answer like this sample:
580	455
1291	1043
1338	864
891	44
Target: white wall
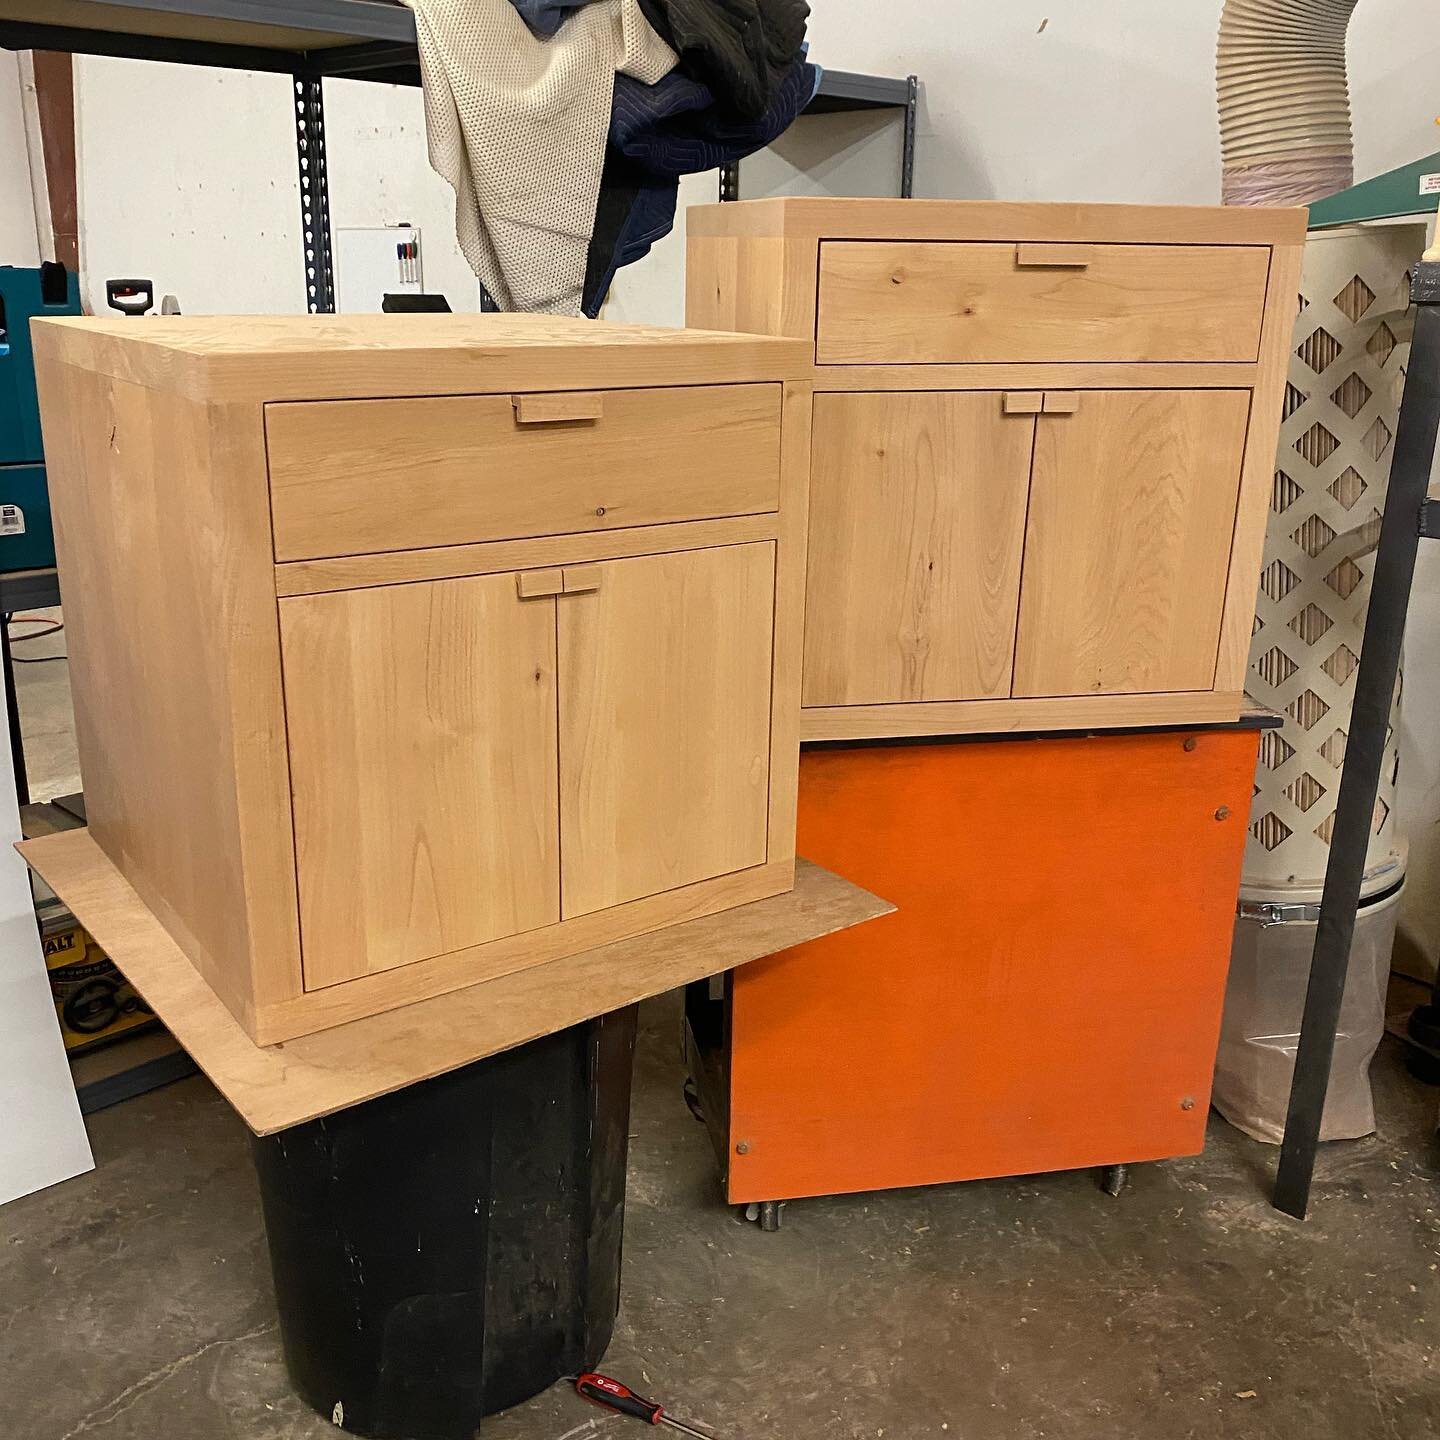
17	209
1091	99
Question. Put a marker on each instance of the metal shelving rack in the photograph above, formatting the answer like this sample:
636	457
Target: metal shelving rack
311	41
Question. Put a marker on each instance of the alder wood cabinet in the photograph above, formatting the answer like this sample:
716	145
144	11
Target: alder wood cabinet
1043	447
411	652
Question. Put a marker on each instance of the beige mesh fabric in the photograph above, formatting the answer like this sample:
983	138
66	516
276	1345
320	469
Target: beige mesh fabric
517	126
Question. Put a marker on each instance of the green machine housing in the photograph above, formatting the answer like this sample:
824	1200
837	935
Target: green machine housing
27	541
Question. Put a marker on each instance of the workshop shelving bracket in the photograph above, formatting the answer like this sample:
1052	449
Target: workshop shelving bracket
315	39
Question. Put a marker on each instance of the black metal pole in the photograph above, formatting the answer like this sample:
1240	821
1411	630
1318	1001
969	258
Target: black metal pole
1365	747
315	240
12	715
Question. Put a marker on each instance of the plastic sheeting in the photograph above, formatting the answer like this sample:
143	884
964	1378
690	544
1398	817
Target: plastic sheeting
1269	971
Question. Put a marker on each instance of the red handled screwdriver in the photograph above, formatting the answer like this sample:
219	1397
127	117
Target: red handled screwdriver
602	1390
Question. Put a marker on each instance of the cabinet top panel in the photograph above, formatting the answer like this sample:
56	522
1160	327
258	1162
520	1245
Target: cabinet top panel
318	357
821	217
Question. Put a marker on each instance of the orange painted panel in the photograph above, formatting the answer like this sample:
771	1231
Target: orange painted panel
1048	995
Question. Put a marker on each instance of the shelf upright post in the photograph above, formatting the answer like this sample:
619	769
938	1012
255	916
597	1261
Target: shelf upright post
315	239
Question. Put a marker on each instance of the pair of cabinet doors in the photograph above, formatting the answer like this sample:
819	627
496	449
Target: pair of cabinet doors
480	757
977	545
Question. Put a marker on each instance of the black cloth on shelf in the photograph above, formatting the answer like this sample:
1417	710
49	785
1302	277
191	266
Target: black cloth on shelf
742	49
657	134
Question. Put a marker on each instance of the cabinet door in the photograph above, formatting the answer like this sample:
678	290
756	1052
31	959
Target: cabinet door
1127	548
422	764
917	521
664	722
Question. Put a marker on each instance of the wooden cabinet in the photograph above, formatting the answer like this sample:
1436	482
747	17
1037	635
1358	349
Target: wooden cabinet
1043	446
380	695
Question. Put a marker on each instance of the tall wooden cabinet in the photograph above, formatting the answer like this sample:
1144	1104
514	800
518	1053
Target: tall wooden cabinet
409	653
1043	443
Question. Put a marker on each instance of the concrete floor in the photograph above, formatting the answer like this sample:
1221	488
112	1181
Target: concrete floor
135	1302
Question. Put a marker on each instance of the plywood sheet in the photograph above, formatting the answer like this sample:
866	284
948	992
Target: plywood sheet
279	1086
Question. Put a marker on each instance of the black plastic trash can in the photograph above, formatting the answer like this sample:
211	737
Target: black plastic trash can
454	1248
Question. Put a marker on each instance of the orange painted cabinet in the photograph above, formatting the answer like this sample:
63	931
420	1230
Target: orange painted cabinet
1047	995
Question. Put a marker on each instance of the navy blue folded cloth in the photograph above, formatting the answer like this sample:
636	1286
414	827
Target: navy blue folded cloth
659	133
544	17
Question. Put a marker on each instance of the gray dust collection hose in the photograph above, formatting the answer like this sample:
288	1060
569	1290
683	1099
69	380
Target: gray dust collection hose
1284	105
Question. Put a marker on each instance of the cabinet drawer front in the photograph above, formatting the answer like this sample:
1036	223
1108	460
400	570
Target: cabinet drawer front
941	302
358	477
422	733
1127	545
665	676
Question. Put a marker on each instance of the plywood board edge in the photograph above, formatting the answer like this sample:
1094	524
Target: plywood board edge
276	1087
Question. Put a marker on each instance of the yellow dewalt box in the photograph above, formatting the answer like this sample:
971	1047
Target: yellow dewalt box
94	1001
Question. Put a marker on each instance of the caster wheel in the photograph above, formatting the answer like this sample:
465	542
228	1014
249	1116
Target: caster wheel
765	1213
1114	1178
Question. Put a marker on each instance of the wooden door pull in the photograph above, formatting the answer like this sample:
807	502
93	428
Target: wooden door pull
581	579
555	409
1022	402
537	584
1055	257
1061	402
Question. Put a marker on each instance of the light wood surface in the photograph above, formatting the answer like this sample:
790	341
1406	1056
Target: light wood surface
348	572
801	217
966	302
1078	285
917	523
665	724
175	667
268	358
1004	717
423	683
562	405
1127	549
356	477
1258	474
280	1086
422	751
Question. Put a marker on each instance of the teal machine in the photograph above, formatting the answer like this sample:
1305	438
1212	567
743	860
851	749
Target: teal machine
27	541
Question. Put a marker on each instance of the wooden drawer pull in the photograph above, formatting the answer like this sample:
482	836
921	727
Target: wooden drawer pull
1023	402
1055	257
581	579
538	584
1061	402
557	408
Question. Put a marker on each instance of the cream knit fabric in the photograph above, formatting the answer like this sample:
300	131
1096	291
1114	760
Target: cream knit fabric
517	126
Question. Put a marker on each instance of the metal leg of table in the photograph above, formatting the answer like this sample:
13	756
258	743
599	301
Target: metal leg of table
1394	571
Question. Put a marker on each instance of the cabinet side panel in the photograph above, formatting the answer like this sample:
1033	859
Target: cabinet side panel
757	285
1258	473
161	521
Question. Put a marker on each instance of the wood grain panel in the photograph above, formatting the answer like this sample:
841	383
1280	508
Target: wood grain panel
1009	717
362	476
348	572
277	1087
422	741
161	522
1257	480
802	217
935	302
1127	551
917	523
665	683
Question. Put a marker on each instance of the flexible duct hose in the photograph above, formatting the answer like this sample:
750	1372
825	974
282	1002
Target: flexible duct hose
1284	105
